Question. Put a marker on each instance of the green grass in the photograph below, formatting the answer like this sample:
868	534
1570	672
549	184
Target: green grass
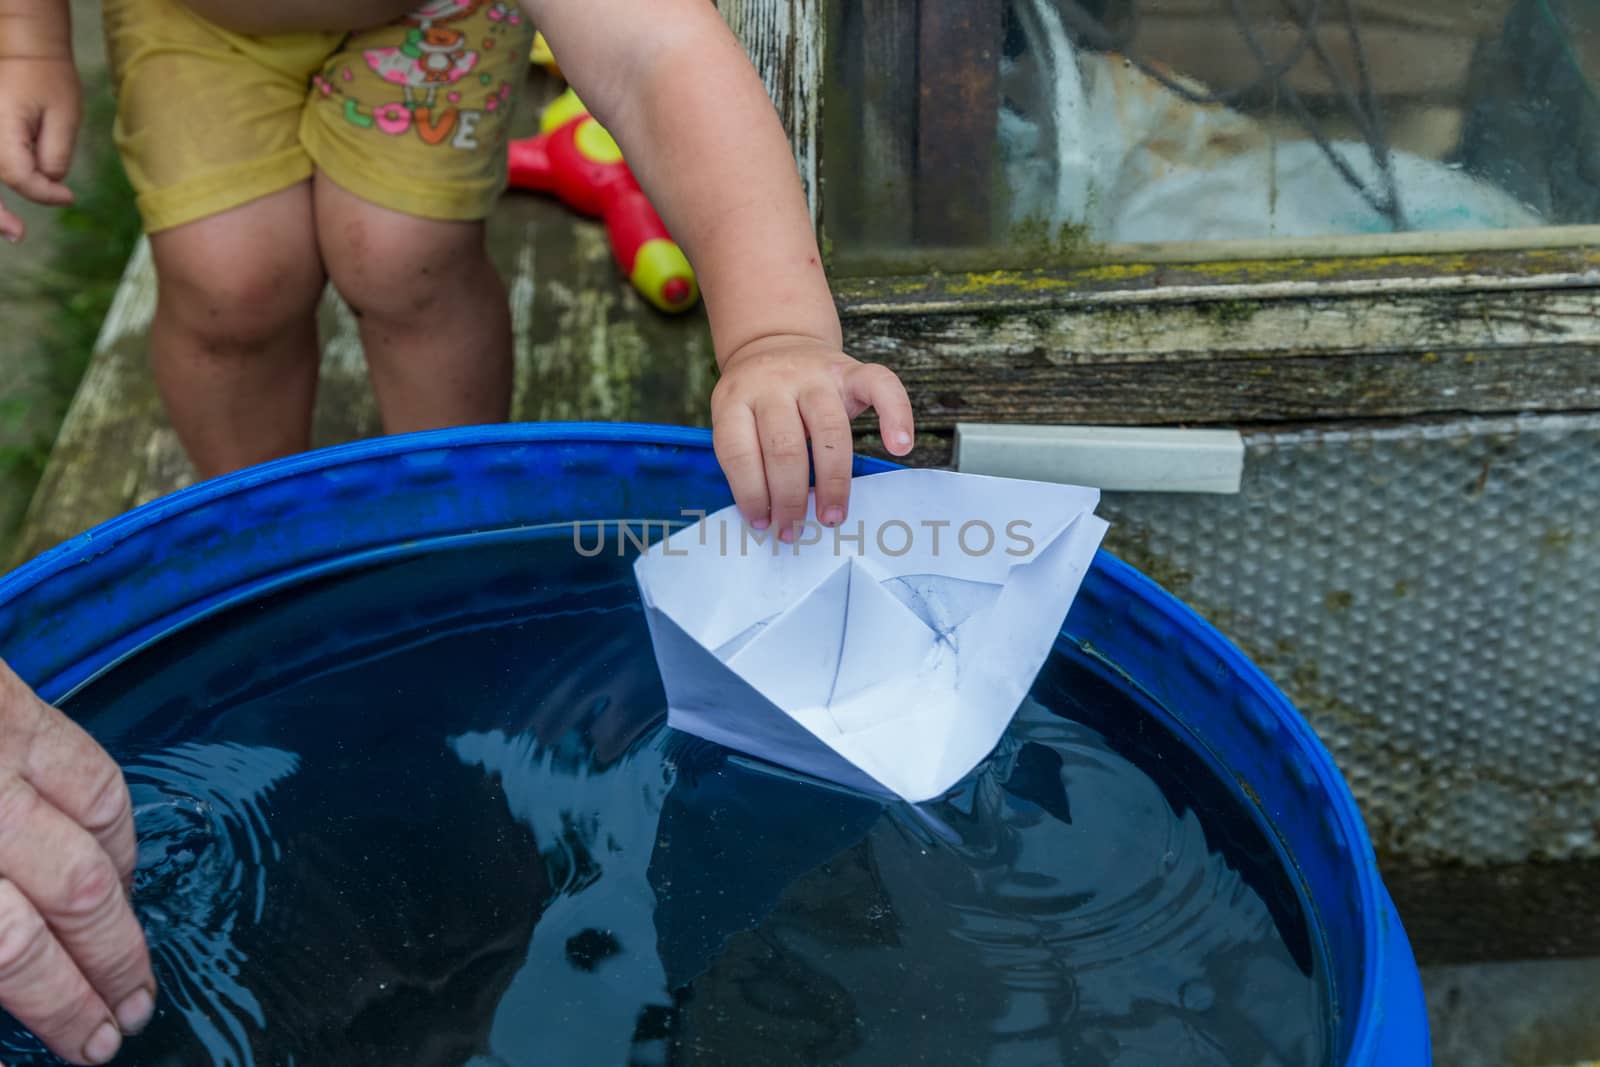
94	238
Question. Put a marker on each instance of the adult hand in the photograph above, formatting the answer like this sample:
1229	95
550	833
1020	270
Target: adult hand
74	966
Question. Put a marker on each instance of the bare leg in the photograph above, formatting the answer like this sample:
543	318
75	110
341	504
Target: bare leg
434	314
234	342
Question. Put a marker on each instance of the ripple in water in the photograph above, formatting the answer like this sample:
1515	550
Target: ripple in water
428	814
205	850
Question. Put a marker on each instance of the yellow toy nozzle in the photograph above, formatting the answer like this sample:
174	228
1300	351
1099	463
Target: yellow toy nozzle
560	111
543	57
662	275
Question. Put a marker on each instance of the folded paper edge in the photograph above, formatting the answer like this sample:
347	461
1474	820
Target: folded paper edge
1074	542
791	735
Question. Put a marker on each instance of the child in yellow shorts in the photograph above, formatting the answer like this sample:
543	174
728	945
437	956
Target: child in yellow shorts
278	145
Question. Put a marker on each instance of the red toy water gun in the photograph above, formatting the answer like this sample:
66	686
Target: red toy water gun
574	158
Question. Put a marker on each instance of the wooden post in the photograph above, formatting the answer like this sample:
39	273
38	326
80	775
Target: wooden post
888	121
785	40
958	71
869	121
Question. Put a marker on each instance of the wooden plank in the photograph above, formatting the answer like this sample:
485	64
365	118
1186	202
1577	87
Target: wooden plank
109	423
588	346
958	77
1116	284
785	39
931	448
892	269
1228	363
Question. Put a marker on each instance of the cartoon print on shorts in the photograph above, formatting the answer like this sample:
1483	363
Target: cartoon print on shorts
436	11
436	56
504	16
432	55
430	58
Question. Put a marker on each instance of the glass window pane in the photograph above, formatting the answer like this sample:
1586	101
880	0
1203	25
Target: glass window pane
1065	124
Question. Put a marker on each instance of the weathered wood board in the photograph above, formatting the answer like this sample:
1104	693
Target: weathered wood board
958	104
1232	344
1208	364
1239	344
785	42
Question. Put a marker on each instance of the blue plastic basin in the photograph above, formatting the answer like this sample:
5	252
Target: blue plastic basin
79	609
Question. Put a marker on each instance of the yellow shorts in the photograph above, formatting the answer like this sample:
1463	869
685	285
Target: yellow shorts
414	116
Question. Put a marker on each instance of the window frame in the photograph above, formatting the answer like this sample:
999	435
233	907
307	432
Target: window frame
1237	334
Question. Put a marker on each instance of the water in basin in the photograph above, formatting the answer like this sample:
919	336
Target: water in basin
427	812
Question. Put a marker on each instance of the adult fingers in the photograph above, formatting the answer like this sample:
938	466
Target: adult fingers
872	385
44	991
76	889
69	769
831	452
788	466
76	776
738	449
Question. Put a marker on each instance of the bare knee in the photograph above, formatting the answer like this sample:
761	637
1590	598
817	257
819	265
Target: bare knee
238	288
242	307
399	270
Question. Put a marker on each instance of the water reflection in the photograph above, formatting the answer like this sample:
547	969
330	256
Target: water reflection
461	835
592	979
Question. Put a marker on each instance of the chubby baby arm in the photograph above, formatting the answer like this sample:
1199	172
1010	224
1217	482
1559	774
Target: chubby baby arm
674	86
40	104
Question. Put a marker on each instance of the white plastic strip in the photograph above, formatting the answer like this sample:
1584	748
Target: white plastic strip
1117	458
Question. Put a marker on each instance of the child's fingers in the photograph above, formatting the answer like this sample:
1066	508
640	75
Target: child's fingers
42	190
872	385
783	448
738	449
11	227
831	452
57	131
19	164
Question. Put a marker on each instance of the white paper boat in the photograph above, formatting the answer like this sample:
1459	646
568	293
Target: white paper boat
889	655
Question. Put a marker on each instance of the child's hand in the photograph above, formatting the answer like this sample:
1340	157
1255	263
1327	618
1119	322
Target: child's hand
676	88
777	392
40	108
